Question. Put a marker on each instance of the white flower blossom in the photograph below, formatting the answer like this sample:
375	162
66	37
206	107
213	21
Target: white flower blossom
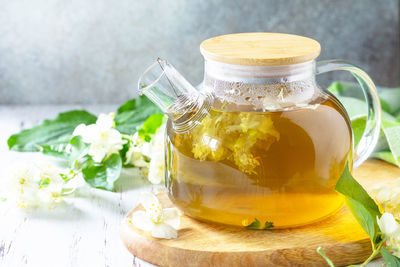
388	197
383	194
387	224
23	186
139	152
51	191
102	137
163	223
388	200
34	185
391	232
157	163
149	155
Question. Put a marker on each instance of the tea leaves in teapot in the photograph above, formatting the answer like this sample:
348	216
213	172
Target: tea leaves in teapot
256	225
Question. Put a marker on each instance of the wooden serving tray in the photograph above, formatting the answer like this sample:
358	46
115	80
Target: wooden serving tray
203	244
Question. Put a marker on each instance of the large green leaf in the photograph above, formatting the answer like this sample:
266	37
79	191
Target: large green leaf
384	155
388	146
355	108
139	103
364	217
135	104
130	121
389	97
50	133
390	260
103	175
392	134
134	113
360	203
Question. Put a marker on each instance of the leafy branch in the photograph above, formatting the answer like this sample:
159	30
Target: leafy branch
54	137
367	213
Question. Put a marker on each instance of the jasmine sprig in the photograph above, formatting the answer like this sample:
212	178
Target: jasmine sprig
32	185
98	147
383	230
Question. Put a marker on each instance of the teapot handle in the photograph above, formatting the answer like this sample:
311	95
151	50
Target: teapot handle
373	125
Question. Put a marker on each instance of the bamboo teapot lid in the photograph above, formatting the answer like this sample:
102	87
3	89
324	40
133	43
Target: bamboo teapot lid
260	49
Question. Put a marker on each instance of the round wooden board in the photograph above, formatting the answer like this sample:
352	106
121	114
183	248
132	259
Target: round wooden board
203	244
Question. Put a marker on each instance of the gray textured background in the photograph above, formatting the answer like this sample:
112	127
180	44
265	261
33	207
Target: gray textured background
92	51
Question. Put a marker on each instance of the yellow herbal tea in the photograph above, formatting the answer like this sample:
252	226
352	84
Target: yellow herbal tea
280	167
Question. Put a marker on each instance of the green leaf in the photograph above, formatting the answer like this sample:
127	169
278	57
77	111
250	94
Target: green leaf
352	98
50	132
363	216
124	150
392	134
355	108
133	103
254	225
127	106
257	225
134	113
390	260
358	126
150	126
64	177
103	175
268	225
335	88
384	155
385	105
78	149
360	203
350	188
129	122
44	182
67	177
139	103
55	150
328	260
391	98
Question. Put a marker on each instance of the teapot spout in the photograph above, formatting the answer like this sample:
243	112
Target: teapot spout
174	95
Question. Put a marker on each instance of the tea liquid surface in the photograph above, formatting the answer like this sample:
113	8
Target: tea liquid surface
280	167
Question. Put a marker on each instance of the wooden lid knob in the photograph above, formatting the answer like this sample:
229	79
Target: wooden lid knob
260	49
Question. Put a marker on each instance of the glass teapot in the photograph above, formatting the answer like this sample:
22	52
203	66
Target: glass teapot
260	140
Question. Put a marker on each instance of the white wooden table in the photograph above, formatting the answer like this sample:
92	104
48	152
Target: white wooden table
82	232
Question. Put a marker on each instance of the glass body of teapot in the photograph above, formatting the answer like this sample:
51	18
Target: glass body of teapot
259	142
